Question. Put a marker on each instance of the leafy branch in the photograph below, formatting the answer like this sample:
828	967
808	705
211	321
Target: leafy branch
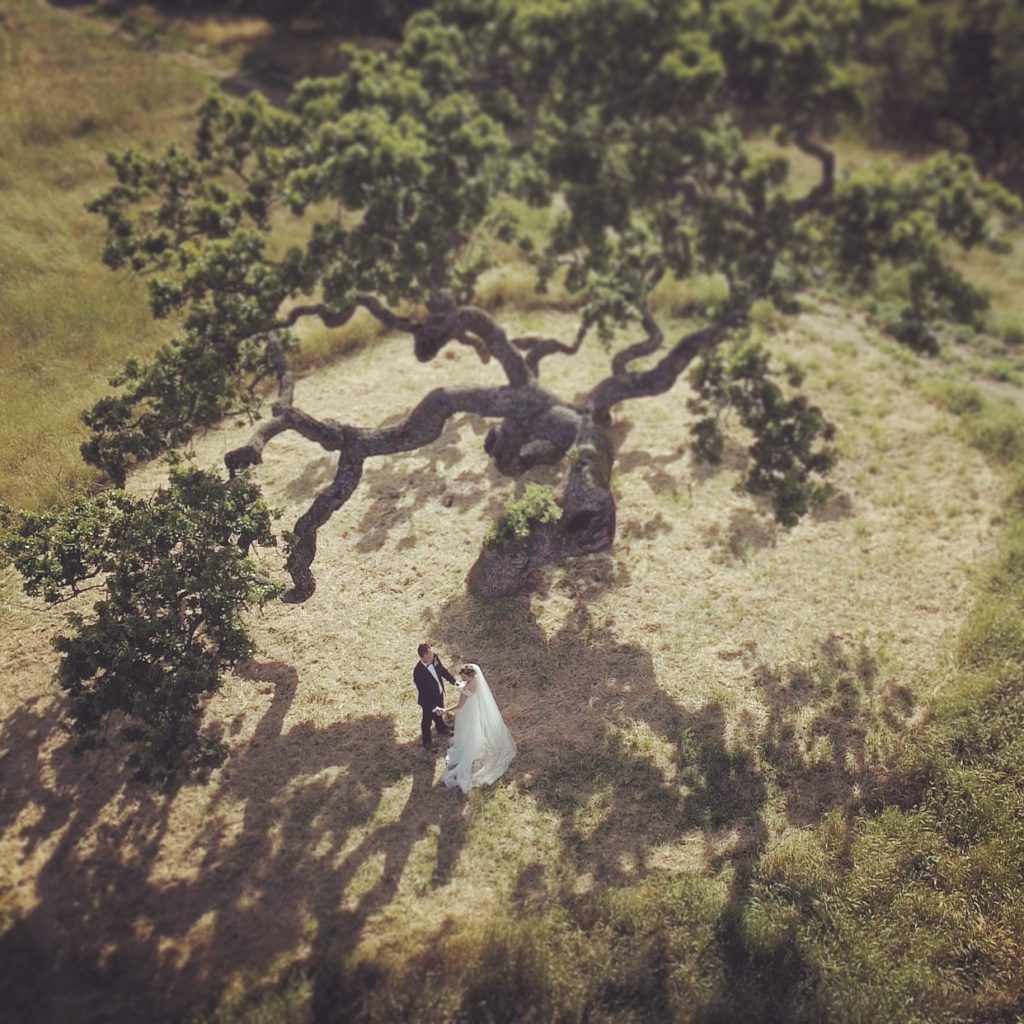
175	577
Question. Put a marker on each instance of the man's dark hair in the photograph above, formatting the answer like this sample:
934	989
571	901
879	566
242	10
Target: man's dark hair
422	649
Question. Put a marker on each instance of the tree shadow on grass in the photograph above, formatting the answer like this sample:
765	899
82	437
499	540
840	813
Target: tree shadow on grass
316	473
654	469
624	767
746	532
398	485
147	905
632	774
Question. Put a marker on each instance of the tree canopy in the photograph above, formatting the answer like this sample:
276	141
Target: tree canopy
630	123
949	73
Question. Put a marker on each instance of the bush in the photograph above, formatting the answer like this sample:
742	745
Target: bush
537	505
173	576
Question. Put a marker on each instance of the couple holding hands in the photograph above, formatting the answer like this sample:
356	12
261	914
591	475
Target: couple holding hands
482	747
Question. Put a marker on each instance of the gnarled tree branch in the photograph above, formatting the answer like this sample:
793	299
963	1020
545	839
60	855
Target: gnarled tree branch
827	159
439	329
654	340
538	348
534	418
662	376
278	361
330	436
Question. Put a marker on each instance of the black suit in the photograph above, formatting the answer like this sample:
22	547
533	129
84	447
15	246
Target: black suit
430	695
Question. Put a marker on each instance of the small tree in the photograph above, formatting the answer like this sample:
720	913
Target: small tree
172	577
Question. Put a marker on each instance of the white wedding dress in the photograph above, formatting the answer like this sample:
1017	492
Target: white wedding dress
482	748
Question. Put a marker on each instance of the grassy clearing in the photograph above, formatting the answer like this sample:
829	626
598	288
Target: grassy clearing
694	713
725	806
901	901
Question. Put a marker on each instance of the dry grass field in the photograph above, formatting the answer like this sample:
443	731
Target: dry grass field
698	695
715	698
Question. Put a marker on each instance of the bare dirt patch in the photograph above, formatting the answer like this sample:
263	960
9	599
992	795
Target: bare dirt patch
710	683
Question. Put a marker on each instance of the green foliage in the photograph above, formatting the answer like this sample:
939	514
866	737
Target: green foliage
792	64
398	147
624	122
879	219
629	106
610	143
791	450
173	578
948	73
537	504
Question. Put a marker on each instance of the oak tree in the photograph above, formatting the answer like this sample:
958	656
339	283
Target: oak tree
617	114
631	124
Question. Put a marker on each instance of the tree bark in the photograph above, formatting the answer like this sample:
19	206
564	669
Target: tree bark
586	526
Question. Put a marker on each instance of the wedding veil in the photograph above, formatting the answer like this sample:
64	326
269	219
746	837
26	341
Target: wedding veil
483	747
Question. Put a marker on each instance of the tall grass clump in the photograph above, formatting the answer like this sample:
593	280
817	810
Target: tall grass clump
321	345
693	296
996	430
1009	328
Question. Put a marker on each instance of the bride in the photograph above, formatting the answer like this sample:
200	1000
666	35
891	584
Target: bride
483	747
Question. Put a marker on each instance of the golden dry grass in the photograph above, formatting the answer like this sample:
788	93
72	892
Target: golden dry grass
677	702
69	93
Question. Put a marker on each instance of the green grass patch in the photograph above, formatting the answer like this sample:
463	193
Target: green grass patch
998	432
955	396
692	296
71	93
995	429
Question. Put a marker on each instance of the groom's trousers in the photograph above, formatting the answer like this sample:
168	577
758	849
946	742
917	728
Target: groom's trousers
428	717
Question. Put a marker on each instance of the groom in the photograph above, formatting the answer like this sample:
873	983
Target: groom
428	674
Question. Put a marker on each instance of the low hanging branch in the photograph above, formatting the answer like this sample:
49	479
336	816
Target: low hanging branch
526	411
663	376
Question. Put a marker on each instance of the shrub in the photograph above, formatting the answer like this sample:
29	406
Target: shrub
173	576
537	505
